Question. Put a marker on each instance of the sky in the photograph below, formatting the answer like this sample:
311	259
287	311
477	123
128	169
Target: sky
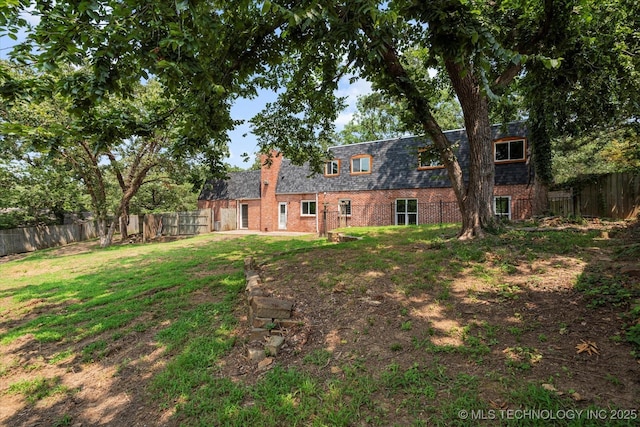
242	140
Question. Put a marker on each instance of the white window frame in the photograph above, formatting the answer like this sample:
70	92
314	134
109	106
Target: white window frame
308	204
509	142
406	213
502	215
344	203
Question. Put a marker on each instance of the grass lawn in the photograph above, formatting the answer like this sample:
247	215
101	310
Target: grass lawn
407	326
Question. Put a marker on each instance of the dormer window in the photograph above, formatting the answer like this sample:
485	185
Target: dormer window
509	150
361	164
332	168
428	158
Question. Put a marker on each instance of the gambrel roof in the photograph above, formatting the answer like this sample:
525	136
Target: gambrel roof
394	165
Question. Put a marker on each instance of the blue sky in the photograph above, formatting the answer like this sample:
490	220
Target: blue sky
245	109
242	140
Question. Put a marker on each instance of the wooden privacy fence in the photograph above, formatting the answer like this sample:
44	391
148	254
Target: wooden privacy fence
29	239
177	224
615	196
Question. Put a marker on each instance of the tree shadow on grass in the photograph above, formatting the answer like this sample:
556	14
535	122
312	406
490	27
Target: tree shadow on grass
98	340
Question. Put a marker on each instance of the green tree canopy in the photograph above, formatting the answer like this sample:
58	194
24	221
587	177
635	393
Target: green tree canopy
124	138
208	53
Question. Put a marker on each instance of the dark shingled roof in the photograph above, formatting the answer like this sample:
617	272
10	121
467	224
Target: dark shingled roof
240	185
394	166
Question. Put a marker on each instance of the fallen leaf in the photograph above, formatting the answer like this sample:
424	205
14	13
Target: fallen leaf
498	405
577	397
264	363
549	387
587	346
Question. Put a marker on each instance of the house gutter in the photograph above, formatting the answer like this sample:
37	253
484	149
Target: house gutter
317	213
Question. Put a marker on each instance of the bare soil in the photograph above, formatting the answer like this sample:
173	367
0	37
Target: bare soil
536	322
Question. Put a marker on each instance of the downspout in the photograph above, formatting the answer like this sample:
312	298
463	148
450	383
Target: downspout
317	226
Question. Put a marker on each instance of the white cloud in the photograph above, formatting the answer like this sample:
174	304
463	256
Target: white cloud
343	119
352	91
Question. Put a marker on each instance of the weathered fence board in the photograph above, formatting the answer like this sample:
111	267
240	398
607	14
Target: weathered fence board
29	239
177	224
615	196
227	219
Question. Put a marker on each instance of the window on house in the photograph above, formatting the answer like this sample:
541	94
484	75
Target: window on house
502	207
428	158
344	207
332	168
406	211
509	150
308	208
361	164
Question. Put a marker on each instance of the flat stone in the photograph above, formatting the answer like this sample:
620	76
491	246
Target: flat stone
249	263
251	274
261	322
271	307
287	323
253	282
256	354
258	334
255	292
273	346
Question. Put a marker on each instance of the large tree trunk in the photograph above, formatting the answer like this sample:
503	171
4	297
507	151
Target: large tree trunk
475	199
103	233
124	223
477	202
110	233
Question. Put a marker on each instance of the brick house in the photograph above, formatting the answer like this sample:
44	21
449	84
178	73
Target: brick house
395	181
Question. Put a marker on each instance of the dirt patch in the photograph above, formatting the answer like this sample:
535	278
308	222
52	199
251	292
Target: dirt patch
526	327
529	326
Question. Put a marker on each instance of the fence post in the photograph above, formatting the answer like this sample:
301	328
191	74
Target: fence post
441	211
324	219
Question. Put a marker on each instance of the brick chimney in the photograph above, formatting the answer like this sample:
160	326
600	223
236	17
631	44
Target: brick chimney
268	181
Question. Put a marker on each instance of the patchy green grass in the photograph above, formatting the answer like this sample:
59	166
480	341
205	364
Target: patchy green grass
38	388
187	293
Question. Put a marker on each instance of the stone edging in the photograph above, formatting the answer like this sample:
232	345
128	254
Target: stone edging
268	317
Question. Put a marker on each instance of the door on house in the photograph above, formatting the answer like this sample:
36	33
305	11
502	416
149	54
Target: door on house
406	211
282	216
244	216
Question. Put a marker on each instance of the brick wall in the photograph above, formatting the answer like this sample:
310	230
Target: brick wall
369	208
295	220
268	183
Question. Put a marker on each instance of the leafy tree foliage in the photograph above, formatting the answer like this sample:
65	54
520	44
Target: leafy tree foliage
595	91
37	190
121	138
380	117
597	153
208	53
